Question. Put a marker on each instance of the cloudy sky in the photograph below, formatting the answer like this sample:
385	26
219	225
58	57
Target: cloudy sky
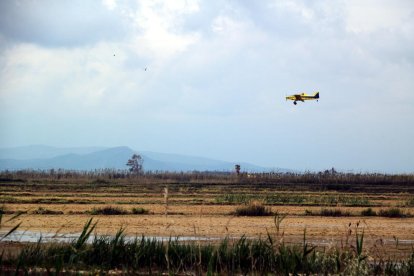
209	78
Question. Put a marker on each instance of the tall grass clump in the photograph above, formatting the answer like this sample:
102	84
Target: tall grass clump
393	213
334	213
139	211
327	213
253	209
410	202
108	210
44	211
368	212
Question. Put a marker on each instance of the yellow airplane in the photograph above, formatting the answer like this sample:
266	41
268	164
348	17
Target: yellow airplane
303	97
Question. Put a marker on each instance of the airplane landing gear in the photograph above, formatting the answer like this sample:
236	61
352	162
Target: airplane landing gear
294	103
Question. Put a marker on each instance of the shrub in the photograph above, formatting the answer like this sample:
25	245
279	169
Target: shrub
108	210
410	202
139	211
253	209
308	212
368	212
43	211
393	213
334	213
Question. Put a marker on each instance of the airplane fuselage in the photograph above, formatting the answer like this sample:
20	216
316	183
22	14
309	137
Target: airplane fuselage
303	97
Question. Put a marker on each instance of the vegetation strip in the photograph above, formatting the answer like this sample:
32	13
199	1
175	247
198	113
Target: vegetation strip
230	256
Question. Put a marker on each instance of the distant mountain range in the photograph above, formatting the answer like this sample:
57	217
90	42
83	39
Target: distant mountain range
39	157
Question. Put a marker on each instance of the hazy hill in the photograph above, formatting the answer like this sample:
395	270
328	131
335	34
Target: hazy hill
44	157
114	158
41	152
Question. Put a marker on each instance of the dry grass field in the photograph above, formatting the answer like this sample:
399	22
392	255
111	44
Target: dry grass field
330	207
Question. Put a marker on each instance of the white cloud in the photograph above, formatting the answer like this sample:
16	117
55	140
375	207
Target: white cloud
295	7
60	24
81	78
374	15
159	28
109	4
224	25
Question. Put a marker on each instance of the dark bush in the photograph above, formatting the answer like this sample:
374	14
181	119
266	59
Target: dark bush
253	210
368	212
139	211
43	211
334	213
308	212
410	202
393	213
108	210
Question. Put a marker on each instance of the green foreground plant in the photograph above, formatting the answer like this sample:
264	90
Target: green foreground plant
11	231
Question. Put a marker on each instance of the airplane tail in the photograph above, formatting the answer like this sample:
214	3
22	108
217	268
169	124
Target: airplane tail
316	95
